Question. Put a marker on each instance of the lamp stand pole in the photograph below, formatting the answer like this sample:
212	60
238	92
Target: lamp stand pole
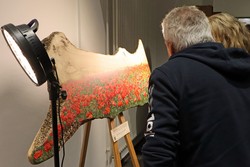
54	90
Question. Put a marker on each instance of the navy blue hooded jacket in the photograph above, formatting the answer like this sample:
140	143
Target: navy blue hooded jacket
199	109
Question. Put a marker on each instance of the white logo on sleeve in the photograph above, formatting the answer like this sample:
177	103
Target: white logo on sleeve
150	124
150	121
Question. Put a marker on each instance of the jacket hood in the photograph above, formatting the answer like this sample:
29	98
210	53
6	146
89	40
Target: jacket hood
231	62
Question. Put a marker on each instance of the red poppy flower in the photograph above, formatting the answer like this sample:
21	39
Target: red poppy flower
38	154
47	146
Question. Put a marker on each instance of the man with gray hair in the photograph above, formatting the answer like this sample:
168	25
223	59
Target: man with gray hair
199	100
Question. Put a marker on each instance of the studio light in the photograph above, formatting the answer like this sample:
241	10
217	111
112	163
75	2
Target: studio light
28	50
33	58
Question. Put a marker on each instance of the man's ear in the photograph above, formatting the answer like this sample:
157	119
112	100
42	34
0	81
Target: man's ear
170	48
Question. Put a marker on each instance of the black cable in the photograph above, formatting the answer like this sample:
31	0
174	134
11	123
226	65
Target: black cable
58	113
60	121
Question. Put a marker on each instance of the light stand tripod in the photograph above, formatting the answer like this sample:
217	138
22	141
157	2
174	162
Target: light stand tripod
54	90
33	58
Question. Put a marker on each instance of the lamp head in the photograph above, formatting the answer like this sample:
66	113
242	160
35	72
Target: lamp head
28	50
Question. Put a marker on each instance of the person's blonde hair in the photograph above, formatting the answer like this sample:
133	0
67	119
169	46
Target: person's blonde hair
230	31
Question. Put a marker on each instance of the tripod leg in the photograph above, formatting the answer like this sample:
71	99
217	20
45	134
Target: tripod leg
116	152
85	144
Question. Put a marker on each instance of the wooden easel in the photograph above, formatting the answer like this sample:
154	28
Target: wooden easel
117	157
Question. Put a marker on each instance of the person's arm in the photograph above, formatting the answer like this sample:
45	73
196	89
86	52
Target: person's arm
162	134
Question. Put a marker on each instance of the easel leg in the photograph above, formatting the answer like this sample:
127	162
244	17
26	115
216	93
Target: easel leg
131	149
117	157
85	144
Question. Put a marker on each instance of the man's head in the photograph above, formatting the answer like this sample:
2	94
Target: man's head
185	26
